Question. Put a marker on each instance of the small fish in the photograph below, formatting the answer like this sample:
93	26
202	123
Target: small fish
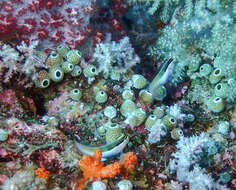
108	150
162	77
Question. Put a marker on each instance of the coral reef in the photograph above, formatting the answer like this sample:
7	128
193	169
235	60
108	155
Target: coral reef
115	94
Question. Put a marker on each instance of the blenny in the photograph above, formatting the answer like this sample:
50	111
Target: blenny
161	78
108	150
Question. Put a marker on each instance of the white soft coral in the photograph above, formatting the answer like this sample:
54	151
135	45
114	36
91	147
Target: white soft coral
118	57
189	155
157	131
198	179
9	59
175	110
32	62
189	149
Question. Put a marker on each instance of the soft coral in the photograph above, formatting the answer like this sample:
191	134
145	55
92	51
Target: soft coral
93	168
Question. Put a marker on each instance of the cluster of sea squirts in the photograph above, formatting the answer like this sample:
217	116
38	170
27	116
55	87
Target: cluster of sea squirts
133	108
223	85
59	62
136	109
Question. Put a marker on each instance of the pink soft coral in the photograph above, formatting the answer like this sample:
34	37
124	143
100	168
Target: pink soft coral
58	104
9	104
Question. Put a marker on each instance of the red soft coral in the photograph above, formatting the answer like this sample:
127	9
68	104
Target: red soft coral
50	21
